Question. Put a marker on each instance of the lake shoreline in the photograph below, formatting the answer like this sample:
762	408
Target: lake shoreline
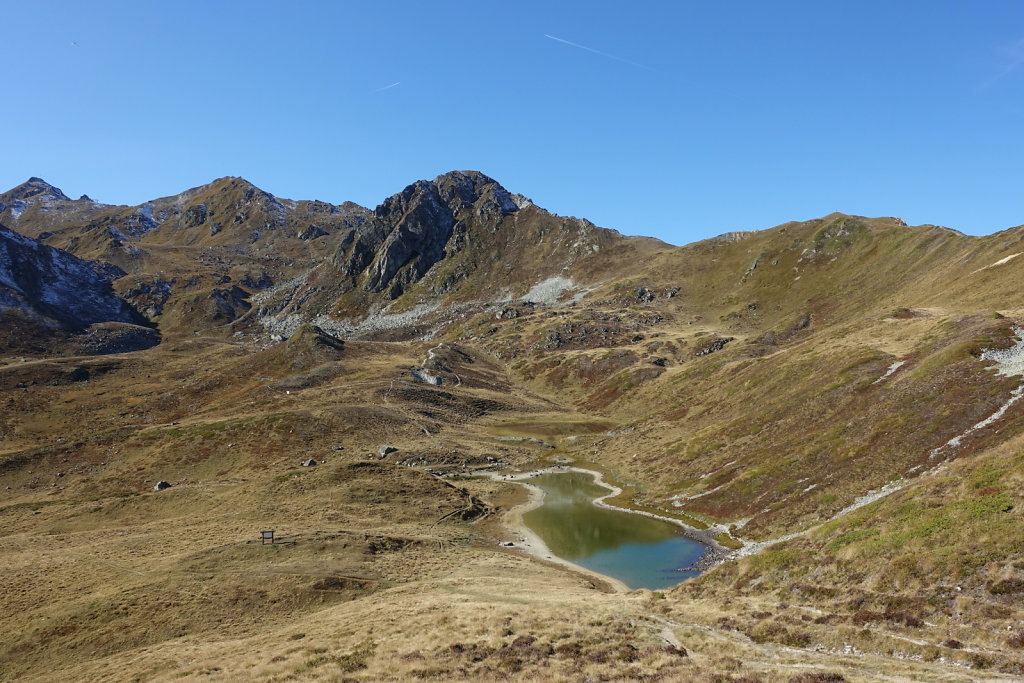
530	542
533	544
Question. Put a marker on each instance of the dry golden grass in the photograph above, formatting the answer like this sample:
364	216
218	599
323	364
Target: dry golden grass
386	572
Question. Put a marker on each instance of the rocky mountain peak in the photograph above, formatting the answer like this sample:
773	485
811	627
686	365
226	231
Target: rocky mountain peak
412	230
462	189
454	192
227	186
230	182
37	188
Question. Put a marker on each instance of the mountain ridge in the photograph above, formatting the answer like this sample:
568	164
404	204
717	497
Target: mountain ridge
822	400
435	240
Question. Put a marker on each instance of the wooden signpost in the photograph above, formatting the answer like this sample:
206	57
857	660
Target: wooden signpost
267	536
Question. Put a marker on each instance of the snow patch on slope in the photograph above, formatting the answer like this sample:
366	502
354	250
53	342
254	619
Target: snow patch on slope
46	281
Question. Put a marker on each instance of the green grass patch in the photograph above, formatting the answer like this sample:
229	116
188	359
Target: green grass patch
549	428
727	541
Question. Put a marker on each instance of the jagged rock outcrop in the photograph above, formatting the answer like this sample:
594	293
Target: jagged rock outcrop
228	257
40	281
36	207
442	246
414	229
37	189
194	257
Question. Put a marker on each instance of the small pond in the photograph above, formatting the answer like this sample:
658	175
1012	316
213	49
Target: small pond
640	551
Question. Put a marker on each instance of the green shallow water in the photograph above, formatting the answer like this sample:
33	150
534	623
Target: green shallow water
639	551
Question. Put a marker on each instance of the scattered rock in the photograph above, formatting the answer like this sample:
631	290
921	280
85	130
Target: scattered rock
308	463
108	338
385	450
194	216
162	485
713	345
644	295
311	233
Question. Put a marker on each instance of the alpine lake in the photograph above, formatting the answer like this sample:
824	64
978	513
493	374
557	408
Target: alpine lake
640	551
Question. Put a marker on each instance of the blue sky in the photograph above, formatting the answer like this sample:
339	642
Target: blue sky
679	119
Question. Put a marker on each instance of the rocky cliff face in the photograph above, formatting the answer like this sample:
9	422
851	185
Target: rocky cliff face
413	230
434	247
36	190
441	248
42	282
184	254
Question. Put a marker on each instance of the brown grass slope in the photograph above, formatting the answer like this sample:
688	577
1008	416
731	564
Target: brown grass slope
762	374
385	572
745	378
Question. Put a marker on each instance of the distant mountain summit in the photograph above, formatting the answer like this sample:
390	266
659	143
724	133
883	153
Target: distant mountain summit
35	194
201	259
37	189
440	248
412	230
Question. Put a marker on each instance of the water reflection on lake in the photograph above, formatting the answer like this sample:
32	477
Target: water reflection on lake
639	551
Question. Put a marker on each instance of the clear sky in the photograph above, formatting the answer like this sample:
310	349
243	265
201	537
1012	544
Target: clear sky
677	119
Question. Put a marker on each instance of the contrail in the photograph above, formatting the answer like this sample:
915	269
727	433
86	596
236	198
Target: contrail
1015	53
386	87
597	52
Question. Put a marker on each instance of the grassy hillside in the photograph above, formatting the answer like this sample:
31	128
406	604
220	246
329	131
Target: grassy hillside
757	384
